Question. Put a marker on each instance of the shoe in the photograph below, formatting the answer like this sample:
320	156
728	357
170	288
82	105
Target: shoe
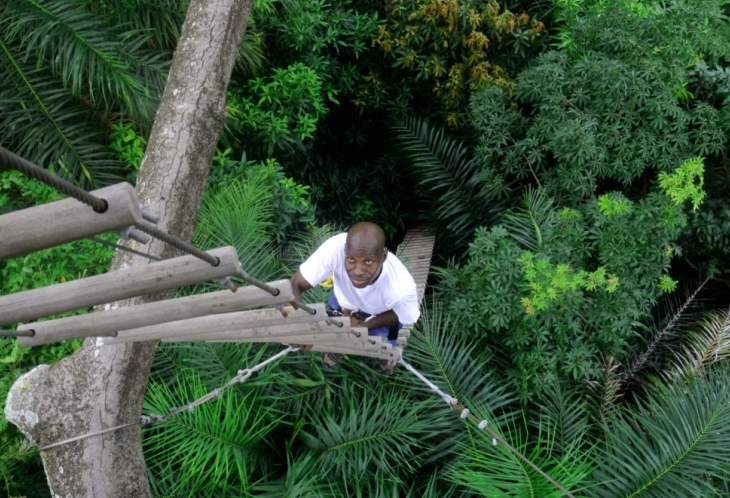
387	366
329	360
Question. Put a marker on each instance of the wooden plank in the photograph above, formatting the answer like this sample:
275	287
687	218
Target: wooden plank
115	286
267	333
369	344
357	352
200	327
110	321
48	225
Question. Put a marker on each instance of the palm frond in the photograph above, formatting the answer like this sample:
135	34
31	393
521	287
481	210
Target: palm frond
250	58
707	344
367	432
496	471
302	480
670	444
455	364
679	312
43	123
238	215
603	394
109	65
527	224
207	451
462	197
564	414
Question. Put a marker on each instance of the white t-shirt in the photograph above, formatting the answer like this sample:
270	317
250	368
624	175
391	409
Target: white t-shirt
394	290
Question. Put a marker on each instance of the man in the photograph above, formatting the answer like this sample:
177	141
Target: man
371	287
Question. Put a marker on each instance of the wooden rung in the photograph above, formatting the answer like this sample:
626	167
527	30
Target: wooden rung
115	286
203	326
102	323
48	225
268	334
374	344
355	352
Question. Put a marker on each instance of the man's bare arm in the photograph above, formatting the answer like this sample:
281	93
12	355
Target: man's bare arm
387	319
298	285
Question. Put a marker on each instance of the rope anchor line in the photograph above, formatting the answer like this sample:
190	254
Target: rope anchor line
483	425
145	420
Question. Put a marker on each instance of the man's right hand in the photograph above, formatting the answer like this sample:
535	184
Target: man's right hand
303	347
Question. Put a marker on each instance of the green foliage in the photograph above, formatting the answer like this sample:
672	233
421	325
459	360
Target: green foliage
278	111
491	471
707	343
462	195
65	68
208	451
670	444
445	44
328	36
611	104
128	146
291	207
550	312
549	283
685	183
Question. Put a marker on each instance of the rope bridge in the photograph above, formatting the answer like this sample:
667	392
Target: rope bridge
214	317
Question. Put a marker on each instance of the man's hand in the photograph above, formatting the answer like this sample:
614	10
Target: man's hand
303	347
387	319
298	285
356	321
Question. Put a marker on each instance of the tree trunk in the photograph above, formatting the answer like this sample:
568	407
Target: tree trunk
103	386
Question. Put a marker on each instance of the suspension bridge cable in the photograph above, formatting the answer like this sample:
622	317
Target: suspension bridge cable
29	169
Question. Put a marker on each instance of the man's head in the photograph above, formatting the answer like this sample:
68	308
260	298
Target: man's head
365	253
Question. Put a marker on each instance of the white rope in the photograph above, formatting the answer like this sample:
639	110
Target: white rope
464	413
242	376
449	399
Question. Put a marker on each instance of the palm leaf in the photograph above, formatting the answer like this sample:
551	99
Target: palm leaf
708	344
496	471
238	215
368	432
108	64
43	123
527	224
563	413
603	394
206	451
461	197
670	444
680	315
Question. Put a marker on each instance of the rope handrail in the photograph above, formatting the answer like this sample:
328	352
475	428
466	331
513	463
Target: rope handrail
144	420
30	170
482	424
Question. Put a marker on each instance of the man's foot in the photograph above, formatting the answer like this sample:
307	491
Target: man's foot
387	366
329	360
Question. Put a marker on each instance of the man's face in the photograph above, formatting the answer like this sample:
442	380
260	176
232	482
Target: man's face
363	263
